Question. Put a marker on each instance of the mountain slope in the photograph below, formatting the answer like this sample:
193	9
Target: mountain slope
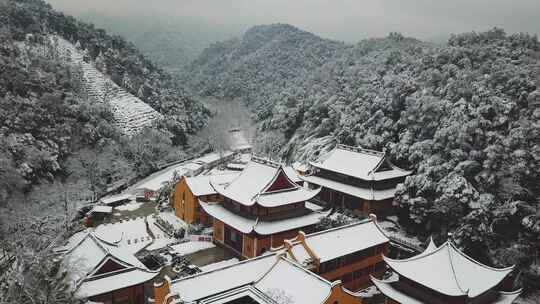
58	72
114	57
266	56
464	116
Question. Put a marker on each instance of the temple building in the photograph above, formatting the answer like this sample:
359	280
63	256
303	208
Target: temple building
104	272
355	178
259	209
350	253
269	279
444	275
190	190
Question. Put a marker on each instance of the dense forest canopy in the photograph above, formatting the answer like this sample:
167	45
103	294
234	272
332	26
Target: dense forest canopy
465	116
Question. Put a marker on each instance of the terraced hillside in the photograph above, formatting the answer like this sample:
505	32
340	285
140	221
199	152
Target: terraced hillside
131	113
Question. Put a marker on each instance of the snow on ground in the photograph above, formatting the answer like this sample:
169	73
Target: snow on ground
172	219
217	265
129	207
161	239
191	247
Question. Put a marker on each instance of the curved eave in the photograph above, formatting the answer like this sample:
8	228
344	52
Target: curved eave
453	291
268	228
247	226
113	281
508	297
504	269
238	222
386	288
282	198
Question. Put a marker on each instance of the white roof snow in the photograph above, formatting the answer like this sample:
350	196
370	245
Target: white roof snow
249	183
155	181
388	290
101	209
275	199
313	206
457	274
292	174
340	241
243	292
363	193
267	227
247	188
358	163
246	225
88	254
200	185
83	258
352	162
213	157
130	234
386	287
206	284
115	198
288	280
97	286
274	276
238	222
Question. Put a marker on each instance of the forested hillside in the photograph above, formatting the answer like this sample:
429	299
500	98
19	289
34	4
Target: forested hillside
46	90
59	148
465	116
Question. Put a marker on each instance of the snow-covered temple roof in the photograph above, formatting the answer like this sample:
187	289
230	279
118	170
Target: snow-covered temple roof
131	235
247	225
269	279
201	185
216	281
101	209
363	193
265	183
359	163
457	273
89	259
340	241
288	280
387	288
115	198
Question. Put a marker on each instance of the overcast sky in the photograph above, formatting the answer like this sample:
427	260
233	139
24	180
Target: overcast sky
349	20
